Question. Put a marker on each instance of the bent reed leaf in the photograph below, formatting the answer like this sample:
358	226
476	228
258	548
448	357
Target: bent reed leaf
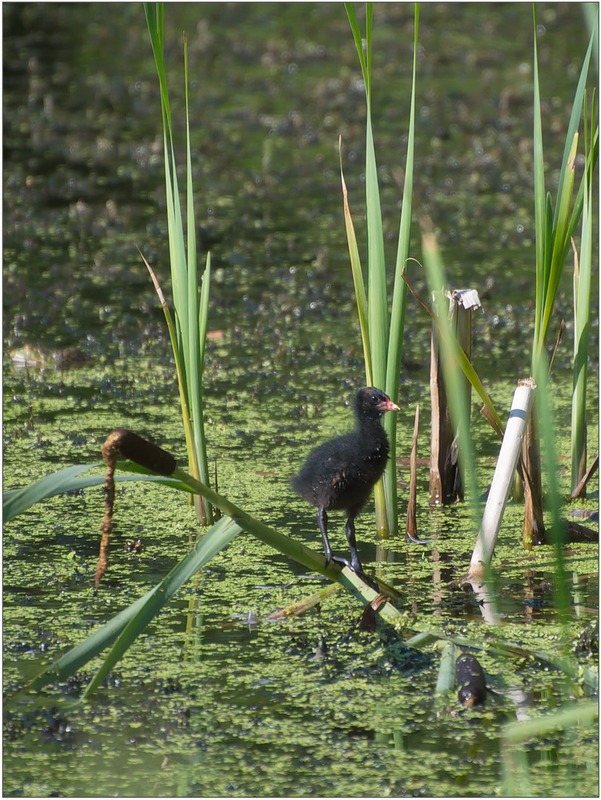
16	501
124	628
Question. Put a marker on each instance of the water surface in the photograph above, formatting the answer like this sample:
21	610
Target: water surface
209	703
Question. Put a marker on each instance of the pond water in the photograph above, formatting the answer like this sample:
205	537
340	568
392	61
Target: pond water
210	701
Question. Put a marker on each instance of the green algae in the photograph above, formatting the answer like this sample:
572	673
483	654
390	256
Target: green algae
207	688
211	701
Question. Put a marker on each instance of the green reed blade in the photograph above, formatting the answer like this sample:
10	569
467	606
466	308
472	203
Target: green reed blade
547	244
445	681
124	628
553	494
190	303
191	270
179	367
19	500
211	543
376	264
203	313
470	373
377	308
357	273
381	329
356	31
559	244
397	319
582	301
177	246
466	365
16	501
198	305
296	551
146	607
575	116
517	780
582	713
155	18
539	193
452	372
592	157
177	251
399	298
554	228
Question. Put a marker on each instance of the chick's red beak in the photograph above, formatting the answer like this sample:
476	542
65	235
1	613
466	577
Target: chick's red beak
388	405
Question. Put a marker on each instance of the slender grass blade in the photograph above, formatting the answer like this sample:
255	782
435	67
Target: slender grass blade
399	298
16	501
126	626
582	300
358	281
213	542
453	377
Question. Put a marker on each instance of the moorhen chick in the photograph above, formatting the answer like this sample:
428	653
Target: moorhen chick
340	474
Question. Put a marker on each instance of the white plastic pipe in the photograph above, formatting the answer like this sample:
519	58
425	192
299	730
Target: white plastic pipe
502	479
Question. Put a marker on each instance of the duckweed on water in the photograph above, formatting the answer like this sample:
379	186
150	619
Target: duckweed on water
205	691
321	721
208	701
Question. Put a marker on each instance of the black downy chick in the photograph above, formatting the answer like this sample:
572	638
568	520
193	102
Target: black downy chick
340	474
